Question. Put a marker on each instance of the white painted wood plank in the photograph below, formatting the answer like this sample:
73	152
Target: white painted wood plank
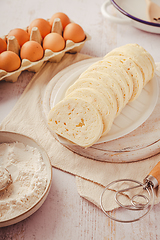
65	215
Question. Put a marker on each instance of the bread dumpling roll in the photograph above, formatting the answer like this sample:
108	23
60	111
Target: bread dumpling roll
100	93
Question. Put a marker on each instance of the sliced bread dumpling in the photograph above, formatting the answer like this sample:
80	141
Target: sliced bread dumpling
100	103
109	82
100	93
76	120
99	86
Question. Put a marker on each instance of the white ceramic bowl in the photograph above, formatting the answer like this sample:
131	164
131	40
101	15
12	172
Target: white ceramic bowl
131	12
9	137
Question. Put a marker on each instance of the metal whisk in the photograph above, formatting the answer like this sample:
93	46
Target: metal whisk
141	203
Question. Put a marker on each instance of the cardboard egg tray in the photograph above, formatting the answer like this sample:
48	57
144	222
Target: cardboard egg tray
70	47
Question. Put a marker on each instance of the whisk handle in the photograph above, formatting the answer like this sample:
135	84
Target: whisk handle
155	173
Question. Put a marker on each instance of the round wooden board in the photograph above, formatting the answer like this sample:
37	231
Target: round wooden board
141	143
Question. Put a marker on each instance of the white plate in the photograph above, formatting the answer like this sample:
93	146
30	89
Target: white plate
131	117
131	12
9	137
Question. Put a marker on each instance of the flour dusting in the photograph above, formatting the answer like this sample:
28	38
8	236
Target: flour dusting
29	175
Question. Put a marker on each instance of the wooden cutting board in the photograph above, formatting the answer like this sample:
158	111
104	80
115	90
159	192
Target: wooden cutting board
141	143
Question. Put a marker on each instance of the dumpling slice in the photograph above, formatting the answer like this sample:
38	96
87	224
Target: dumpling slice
97	85
140	56
76	120
108	81
116	74
100	103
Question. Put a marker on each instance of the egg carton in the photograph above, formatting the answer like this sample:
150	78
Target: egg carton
49	55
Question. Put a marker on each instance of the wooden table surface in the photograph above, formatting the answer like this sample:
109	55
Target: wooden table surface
64	214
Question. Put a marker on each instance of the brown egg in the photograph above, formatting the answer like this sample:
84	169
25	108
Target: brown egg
62	16
21	35
54	42
74	32
32	51
43	26
3	45
9	61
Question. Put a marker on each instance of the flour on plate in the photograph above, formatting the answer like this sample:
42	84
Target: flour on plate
29	175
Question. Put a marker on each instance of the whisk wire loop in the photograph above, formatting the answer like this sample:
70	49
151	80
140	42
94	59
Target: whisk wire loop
135	204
